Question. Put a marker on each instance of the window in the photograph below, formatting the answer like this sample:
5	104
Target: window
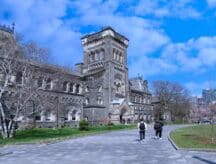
37	118
86	89
71	87
49	84
74	115
48	116
99	100
40	82
77	88
101	54
65	86
19	77
87	101
100	89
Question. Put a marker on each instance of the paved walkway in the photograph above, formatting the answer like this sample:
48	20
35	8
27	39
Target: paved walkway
120	147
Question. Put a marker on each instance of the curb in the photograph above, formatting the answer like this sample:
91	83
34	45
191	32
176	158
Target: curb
188	149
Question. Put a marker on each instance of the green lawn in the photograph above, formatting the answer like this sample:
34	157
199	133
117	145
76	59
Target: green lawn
199	136
43	135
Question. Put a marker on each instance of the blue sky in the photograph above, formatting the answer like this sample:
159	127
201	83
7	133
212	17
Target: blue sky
169	39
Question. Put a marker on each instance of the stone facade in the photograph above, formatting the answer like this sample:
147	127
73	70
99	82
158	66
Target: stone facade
108	92
99	90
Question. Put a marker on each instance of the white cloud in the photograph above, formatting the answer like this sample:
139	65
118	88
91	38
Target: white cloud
176	8
192	56
211	3
42	22
197	87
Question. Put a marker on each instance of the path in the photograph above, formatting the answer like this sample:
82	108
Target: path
120	147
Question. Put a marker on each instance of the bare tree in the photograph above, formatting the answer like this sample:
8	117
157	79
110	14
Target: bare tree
33	52
17	84
173	98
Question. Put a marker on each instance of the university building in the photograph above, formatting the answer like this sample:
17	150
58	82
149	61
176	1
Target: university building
99	90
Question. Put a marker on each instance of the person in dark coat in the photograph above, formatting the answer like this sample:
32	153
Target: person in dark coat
142	126
158	127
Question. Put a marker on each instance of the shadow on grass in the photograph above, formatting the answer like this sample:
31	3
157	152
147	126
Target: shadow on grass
204	160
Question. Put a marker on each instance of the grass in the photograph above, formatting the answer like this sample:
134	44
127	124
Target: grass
45	135
199	136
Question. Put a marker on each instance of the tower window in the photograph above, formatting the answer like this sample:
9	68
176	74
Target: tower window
19	77
71	87
87	89
65	86
40	82
49	84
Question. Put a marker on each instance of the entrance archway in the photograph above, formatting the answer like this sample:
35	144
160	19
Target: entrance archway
124	113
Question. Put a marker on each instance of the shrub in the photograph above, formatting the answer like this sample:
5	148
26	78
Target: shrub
83	125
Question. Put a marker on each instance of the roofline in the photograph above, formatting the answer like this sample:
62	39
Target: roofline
104	29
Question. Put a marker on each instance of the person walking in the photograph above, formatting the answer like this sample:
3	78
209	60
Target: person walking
158	127
142	126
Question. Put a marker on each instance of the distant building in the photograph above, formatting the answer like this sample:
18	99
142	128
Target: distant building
199	109
209	95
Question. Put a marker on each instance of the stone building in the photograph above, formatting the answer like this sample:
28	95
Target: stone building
107	90
141	99
99	90
59	97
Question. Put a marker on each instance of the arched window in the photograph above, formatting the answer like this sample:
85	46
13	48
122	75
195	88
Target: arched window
100	89
49	116
114	53
74	113
19	77
77	88
40	82
97	55
65	86
92	56
49	84
102	52
71	87
87	101
99	100
86	89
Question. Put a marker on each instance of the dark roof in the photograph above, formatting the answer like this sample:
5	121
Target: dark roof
104	29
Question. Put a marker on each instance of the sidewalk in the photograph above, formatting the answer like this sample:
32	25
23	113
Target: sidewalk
120	147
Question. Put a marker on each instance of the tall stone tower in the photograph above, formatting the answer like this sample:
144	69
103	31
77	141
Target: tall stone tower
105	73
